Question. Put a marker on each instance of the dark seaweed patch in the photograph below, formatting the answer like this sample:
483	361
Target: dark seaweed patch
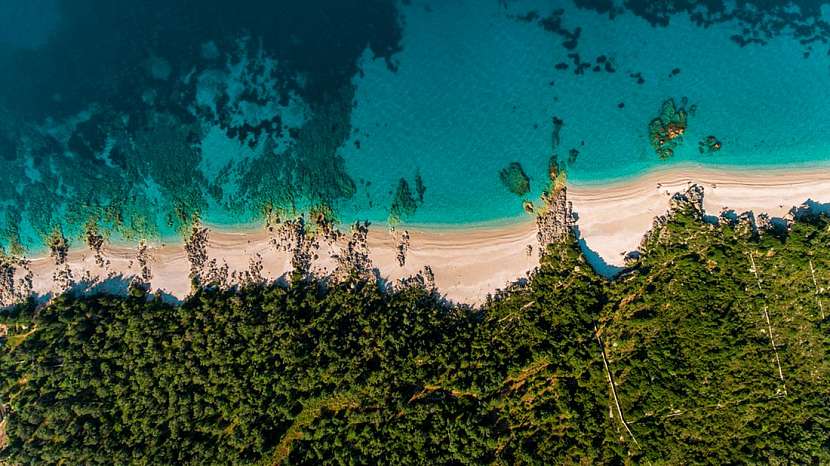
515	179
573	154
403	204
420	188
122	77
638	76
759	20
8	148
558	123
89	137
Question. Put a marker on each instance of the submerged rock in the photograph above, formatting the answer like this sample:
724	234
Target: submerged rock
558	123
691	200
515	179
572	156
708	145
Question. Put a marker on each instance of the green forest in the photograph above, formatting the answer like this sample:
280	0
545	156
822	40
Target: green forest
712	347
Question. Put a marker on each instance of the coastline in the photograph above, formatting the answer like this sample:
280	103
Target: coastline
471	261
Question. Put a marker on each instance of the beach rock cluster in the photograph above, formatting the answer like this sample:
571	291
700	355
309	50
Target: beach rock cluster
95	242
690	202
404	203
425	278
555	220
325	224
750	224
251	277
666	131
293	237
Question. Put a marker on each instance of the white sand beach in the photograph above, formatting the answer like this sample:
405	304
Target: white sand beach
469	263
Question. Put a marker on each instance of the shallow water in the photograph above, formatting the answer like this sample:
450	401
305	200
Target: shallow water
143	115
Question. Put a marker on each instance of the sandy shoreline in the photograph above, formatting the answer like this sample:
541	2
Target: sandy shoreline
469	263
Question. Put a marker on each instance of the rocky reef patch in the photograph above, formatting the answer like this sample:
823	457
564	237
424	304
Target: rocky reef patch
136	121
514	178
665	132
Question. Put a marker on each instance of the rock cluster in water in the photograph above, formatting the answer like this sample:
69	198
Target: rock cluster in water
555	221
708	145
132	146
666	131
515	179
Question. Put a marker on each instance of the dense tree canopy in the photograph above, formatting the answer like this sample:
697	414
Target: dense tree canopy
711	348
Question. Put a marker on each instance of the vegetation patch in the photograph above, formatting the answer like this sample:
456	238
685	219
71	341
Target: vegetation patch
711	348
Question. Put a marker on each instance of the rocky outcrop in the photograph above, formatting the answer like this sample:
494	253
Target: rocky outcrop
401	247
555	220
251	277
514	178
690	201
293	237
95	241
666	131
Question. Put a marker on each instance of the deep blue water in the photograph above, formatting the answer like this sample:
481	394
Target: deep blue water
136	116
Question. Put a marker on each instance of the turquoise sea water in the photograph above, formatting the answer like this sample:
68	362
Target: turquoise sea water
477	95
225	115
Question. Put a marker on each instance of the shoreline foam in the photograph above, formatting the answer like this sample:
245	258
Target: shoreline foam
469	262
